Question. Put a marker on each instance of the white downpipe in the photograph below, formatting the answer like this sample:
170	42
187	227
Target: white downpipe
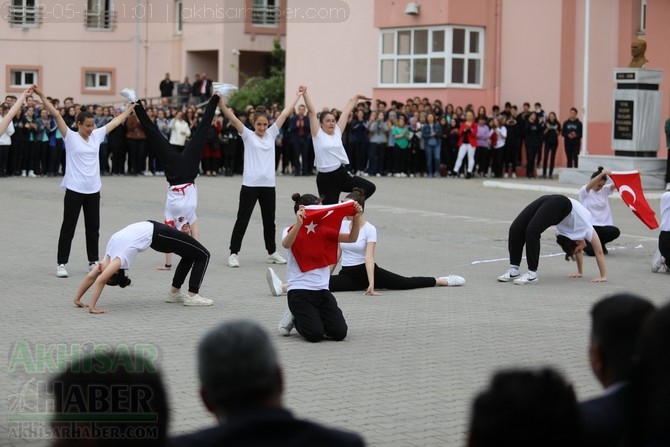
585	99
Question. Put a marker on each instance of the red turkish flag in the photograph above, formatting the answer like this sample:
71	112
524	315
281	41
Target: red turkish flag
315	246
629	185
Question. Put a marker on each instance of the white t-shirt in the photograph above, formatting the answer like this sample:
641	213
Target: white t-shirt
5	139
317	279
353	253
329	153
82	172
180	205
125	244
598	204
665	211
577	225
259	157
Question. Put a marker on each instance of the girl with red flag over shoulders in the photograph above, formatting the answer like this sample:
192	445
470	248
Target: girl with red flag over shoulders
311	245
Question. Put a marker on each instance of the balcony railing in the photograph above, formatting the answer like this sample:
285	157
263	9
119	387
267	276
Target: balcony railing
100	20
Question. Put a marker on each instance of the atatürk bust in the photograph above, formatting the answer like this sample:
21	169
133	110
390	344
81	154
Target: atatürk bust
637	49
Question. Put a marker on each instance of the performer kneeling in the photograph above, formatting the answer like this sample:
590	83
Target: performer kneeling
123	247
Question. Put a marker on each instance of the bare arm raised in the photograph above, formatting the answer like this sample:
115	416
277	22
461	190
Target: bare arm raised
289	108
60	122
311	112
344	118
14	110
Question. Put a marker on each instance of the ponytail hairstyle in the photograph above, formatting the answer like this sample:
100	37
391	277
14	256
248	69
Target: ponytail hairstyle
305	199
357	195
568	246
119	279
597	173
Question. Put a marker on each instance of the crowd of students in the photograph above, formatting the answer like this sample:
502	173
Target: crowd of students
417	138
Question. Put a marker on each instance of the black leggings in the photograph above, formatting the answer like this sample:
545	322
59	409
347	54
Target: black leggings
316	315
530	223
179	167
194	257
355	277
331	184
664	246
266	197
72	205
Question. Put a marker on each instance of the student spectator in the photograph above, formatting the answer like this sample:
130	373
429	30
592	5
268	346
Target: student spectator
431	134
467	142
242	385
616	322
379	132
650	384
572	132
498	139
482	150
552	130
110	379
532	138
525	409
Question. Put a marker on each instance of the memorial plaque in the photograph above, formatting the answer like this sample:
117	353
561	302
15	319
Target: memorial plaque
623	120
625	76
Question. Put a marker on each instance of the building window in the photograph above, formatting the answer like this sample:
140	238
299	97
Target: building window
98	80
100	14
24	13
21	78
432	57
265	13
643	15
178	14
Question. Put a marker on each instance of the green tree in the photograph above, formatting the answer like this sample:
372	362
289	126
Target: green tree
258	90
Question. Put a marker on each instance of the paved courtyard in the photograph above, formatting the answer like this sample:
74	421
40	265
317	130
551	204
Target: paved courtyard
413	360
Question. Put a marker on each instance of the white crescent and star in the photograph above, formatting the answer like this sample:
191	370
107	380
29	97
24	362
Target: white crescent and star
628	189
311	227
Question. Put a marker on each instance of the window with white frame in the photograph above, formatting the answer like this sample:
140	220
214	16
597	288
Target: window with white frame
432	56
20	78
265	12
178	15
100	14
98	80
24	13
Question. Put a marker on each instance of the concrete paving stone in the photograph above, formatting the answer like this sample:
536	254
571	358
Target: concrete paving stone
413	360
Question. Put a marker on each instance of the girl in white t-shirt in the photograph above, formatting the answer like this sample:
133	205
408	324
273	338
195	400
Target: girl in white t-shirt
313	310
573	225
81	181
331	160
258	179
359	270
595	198
123	247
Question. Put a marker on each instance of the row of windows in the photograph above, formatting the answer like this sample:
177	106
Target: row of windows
435	56
98	81
101	14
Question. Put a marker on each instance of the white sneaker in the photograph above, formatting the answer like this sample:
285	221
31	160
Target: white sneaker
275	258
148	174
92	265
509	275
177	297
225	90
286	324
197	300
526	279
233	262
657	262
454	280
31	174
61	272
274	282
513	174
506	175
129	94
23	174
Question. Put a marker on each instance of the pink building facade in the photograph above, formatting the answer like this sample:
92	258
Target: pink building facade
92	49
481	52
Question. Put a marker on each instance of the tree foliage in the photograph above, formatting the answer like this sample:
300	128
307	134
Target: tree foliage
258	90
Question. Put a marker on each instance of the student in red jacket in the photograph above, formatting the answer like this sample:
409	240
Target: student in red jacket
467	142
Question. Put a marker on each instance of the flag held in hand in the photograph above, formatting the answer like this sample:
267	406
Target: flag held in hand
315	246
629	185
